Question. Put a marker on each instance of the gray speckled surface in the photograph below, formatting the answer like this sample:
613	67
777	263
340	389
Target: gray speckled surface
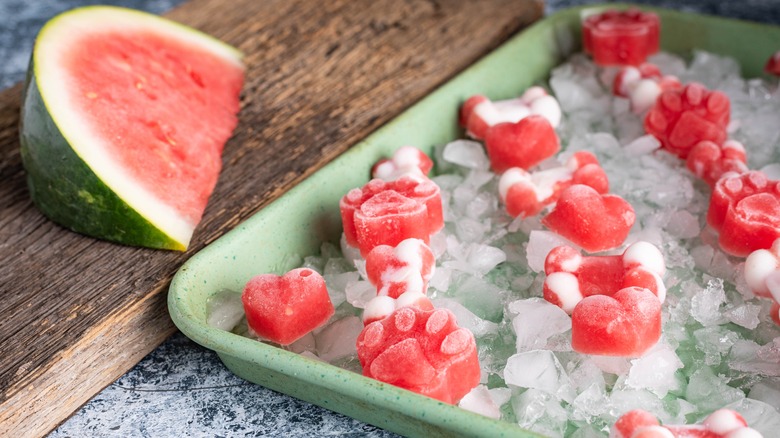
181	389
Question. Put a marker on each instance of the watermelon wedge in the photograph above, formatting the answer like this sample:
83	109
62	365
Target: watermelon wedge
124	119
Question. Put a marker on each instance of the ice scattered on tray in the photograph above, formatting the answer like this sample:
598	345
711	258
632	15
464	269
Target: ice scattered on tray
719	347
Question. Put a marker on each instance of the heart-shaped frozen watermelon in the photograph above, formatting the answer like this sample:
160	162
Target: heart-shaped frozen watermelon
593	221
284	308
523	144
124	118
626	324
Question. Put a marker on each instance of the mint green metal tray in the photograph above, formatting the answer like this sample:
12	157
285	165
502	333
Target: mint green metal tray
295	225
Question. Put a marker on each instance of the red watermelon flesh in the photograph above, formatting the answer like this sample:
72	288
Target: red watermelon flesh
146	103
151	94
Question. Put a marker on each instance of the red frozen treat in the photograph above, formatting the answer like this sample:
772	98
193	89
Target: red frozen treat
631	422
406	161
625	324
387	219
621	37
479	113
682	118
594	221
722	423
352	201
572	276
773	64
395	270
426	192
745	210
523	144
413	210
527	193
284	308
710	162
422	351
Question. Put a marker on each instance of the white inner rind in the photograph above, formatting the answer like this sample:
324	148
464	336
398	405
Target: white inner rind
50	56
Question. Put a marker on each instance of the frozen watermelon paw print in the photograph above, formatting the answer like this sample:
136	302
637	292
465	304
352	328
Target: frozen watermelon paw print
745	210
422	351
682	118
572	276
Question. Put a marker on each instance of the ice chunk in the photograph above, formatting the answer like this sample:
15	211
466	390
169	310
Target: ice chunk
225	310
622	400
767	391
337	285
592	402
441	279
772	171
715	342
683	225
466	153
466	318
709	391
359	293
479	400
612	364
539	369
642	146
705	305
540	412
656	371
338	339
584	373
535	321
307	343
745	315
750	357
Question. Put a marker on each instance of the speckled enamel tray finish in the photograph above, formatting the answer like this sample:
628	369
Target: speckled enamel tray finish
295	225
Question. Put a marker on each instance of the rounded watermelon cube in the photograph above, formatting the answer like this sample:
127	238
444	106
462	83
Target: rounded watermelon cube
621	37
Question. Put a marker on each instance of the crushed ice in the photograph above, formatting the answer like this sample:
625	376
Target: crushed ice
719	347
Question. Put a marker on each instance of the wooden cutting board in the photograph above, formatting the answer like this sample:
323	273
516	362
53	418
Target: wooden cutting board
76	313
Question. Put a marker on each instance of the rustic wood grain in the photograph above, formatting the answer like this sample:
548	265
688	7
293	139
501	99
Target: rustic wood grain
77	312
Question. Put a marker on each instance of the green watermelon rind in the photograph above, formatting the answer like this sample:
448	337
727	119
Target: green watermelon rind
62	184
68	192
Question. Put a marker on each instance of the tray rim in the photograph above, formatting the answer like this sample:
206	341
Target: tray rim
448	417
